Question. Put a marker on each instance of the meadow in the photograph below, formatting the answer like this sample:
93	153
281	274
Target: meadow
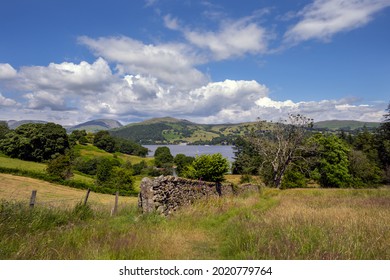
272	224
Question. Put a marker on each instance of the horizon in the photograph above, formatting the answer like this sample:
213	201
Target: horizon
125	124
204	61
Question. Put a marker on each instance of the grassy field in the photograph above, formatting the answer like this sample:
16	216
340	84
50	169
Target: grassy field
90	151
16	188
289	224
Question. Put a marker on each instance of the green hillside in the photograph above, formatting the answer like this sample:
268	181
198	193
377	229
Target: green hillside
175	131
345	125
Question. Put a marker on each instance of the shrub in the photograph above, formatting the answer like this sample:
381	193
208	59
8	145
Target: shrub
209	168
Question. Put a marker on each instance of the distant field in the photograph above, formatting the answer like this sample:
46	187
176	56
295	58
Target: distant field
18	164
90	151
16	188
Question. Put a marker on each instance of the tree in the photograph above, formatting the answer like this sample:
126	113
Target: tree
35	142
78	136
103	140
364	171
104	170
122	179
163	157
279	145
332	164
3	129
182	161
247	161
60	167
384	145
208	168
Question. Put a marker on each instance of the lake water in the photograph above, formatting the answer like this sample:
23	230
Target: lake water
194	150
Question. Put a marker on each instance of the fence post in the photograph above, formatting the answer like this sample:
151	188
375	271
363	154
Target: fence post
86	197
32	198
116	203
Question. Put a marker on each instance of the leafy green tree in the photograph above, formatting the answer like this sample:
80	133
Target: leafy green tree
129	147
35	142
122	179
86	166
247	160
104	170
364	171
78	136
60	167
3	129
383	139
294	178
163	157
332	164
139	167
182	161
103	140
208	168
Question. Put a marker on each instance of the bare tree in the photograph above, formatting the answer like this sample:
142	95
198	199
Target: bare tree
280	144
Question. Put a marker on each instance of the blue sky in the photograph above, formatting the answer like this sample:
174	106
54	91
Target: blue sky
205	61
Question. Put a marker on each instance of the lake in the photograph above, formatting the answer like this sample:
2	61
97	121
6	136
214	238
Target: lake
194	150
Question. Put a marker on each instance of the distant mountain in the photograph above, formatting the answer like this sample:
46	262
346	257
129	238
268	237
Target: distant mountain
345	125
96	125
12	124
176	131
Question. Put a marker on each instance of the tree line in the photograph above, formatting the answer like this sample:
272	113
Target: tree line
49	143
289	154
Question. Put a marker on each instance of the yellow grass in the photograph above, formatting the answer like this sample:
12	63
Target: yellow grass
18	188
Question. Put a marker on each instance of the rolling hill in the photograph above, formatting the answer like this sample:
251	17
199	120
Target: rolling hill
176	131
345	125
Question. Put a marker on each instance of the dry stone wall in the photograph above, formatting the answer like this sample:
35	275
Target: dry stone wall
166	194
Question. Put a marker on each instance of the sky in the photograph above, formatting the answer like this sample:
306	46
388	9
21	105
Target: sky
207	61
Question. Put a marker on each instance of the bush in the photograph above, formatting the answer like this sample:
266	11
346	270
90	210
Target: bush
293	178
209	168
60	167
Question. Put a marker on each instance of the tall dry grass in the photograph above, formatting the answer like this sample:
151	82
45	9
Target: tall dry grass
291	224
317	224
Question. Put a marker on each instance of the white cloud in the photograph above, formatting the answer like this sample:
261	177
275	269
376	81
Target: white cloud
233	39
42	99
226	95
169	63
70	78
7	102
7	71
324	18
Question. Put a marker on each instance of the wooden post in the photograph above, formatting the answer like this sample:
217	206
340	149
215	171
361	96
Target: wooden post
115	210
32	198
86	197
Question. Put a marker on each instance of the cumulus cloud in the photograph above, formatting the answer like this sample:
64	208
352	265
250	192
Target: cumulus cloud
226	95
7	71
7	102
233	39
42	99
83	78
324	18
169	63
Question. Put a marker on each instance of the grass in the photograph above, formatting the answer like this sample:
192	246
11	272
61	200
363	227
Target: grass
289	224
79	180
16	188
35	167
